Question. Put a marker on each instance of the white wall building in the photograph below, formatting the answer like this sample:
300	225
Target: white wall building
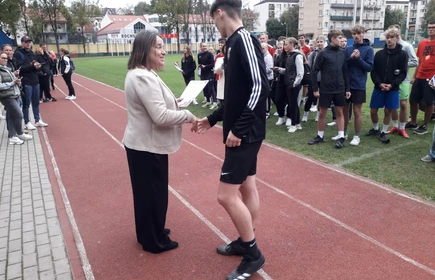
267	9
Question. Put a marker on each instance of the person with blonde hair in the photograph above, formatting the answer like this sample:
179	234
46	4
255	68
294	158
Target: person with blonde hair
188	65
389	70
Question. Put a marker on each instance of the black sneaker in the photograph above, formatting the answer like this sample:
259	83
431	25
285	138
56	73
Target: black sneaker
316	140
421	130
340	143
409	125
247	267
232	249
383	138
372	132
53	99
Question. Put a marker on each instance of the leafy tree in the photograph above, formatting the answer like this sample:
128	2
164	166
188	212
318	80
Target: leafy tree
11	17
275	28
83	11
394	17
169	12
428	16
36	29
143	8
50	11
249	19
290	20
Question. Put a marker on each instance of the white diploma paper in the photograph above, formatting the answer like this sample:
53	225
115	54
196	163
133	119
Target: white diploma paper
192	90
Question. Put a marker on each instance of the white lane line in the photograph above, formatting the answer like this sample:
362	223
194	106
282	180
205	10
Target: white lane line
173	191
375	153
86	266
325	165
332	219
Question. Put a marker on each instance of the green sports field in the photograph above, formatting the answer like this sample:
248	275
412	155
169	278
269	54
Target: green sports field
397	164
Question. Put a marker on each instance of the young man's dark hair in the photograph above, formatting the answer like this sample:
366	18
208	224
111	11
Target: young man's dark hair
244	128
334	34
233	8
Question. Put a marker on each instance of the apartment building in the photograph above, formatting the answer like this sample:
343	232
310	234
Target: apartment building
317	17
267	9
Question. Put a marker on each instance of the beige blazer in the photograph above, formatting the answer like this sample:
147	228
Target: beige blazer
154	119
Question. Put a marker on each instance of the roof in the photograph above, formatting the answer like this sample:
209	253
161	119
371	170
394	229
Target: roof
119	22
277	1
60	19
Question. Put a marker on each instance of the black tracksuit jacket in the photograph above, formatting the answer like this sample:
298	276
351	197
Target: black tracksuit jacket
390	67
246	89
24	61
332	63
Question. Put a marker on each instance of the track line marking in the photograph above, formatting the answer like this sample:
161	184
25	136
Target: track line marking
86	266
172	190
332	219
375	153
325	165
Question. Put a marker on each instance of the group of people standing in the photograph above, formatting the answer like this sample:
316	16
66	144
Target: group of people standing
27	79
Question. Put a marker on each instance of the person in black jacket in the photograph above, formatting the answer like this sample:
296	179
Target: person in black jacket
205	65
44	75
244	128
29	68
389	70
332	63
66	72
188	65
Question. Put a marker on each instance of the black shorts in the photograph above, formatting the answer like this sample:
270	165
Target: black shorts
421	92
240	162
357	96
338	99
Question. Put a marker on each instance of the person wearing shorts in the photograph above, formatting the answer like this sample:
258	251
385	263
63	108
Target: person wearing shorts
421	91
332	63
244	128
404	91
389	70
360	57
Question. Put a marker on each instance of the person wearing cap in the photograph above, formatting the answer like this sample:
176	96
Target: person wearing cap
28	65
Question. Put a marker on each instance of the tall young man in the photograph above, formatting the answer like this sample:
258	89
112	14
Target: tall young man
302	44
421	91
359	62
244	128
205	65
331	62
389	70
404	90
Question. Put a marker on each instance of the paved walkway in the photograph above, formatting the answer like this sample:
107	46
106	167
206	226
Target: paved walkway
31	241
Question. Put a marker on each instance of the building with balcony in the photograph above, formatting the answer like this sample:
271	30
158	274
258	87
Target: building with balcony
267	9
318	17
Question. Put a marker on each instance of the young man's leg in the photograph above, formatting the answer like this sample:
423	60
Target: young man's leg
377	101
431	156
251	198
414	99
399	120
324	103
428	97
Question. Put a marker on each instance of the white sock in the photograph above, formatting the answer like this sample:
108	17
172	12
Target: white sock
376	126
321	133
385	128
305	114
341	134
402	125
396	123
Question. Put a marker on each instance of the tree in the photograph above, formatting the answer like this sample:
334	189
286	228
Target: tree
83	11
36	29
394	17
290	20
50	11
275	28
249	19
428	16
169	12
143	8
11	17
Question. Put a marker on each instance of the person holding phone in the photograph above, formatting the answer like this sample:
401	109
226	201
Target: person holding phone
10	98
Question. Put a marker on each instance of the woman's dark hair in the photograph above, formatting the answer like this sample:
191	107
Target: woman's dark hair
64	51
5	45
142	45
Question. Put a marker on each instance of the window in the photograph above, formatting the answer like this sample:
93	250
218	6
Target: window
326	12
301	27
326	24
320	25
138	27
278	7
320	13
271	7
301	4
271	14
301	15
342	24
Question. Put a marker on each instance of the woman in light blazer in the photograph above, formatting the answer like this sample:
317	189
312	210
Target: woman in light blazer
153	131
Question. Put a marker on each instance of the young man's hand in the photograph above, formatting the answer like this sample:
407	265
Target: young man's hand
232	140
316	94
348	94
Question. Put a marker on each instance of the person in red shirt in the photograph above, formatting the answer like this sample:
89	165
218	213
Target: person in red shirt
304	48
264	38
421	91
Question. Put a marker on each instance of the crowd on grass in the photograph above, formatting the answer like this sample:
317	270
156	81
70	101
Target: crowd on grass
332	77
27	79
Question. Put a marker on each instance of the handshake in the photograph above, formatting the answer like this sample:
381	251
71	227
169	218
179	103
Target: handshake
200	125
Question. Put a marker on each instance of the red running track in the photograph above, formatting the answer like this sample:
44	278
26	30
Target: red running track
316	222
